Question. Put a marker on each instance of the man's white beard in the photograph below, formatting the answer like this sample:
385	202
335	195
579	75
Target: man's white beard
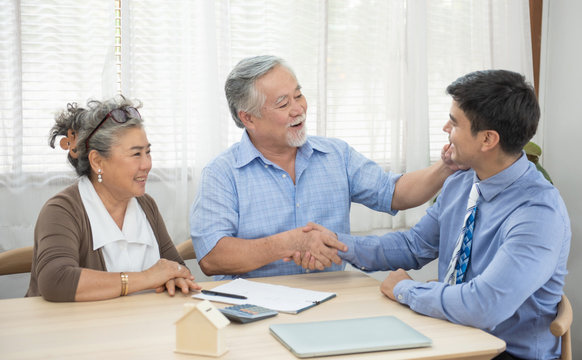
297	138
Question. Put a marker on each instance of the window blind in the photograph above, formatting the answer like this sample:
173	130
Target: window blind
51	53
350	57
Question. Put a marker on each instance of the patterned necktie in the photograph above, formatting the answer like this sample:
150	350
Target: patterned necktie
461	254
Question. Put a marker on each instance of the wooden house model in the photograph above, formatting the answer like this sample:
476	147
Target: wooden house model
200	330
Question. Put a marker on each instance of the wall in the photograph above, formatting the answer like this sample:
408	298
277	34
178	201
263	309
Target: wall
561	101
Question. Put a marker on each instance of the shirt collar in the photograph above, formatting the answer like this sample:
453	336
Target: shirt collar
247	151
103	229
489	188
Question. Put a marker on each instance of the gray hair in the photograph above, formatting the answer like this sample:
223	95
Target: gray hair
83	121
240	89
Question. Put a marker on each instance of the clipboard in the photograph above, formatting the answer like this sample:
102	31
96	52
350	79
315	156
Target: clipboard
275	297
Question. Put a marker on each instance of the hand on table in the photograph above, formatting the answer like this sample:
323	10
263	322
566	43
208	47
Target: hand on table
387	286
167	275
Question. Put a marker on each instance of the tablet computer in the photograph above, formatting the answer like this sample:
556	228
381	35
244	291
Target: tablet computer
348	336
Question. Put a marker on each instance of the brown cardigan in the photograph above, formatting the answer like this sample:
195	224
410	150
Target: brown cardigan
63	244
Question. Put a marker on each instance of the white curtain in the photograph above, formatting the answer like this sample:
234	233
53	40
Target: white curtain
374	74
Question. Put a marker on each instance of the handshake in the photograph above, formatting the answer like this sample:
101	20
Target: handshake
314	247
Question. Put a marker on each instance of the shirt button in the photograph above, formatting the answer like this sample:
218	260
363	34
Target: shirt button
266	166
284	176
399	296
297	204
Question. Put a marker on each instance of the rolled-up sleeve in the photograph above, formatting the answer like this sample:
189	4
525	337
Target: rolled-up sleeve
370	185
214	213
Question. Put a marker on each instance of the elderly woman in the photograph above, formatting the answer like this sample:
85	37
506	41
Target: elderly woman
104	237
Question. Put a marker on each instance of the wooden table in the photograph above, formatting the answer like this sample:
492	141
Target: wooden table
142	326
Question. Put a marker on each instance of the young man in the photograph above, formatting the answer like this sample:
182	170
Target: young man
502	266
255	198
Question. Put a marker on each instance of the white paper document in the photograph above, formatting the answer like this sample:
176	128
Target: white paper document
276	297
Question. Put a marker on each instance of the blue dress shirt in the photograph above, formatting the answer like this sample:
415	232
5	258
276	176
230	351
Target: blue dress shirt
242	194
518	260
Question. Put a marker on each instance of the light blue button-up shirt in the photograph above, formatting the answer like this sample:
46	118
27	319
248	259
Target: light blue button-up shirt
242	194
518	259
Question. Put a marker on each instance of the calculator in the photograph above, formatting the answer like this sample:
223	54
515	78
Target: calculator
247	312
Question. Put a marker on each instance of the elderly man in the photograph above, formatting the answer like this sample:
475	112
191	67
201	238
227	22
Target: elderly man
255	197
501	229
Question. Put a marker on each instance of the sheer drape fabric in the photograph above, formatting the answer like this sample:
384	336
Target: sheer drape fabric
373	72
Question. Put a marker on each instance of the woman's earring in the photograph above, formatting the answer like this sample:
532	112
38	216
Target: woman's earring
99	178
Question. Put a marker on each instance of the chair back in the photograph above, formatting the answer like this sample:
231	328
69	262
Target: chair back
186	250
561	326
16	261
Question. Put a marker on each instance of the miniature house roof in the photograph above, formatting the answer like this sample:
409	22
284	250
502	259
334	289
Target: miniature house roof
208	311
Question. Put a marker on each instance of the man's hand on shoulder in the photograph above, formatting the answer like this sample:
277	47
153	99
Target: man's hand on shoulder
446	157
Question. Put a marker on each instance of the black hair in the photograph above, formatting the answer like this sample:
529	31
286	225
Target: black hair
498	100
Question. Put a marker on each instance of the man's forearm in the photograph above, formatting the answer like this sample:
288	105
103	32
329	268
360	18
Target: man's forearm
233	255
238	256
417	187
